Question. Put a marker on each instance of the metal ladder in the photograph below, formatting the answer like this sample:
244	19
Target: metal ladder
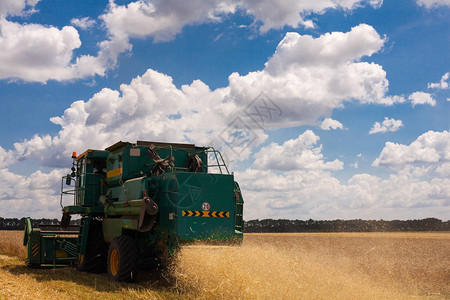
239	208
84	230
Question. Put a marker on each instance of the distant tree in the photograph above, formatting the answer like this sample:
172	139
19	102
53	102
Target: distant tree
357	225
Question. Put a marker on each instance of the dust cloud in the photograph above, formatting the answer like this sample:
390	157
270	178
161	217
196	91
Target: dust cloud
307	266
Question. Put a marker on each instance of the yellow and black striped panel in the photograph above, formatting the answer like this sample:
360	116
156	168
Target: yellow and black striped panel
205	214
35	250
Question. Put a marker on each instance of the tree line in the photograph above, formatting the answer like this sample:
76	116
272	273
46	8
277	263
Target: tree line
283	225
358	225
19	224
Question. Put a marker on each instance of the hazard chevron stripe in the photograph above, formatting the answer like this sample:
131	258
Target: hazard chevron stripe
35	249
205	214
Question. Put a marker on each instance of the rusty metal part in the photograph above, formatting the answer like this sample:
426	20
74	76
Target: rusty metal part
194	164
162	165
147	215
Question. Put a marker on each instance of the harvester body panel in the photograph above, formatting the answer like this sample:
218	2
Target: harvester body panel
205	206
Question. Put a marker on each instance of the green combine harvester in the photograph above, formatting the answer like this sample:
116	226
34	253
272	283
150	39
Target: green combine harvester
138	203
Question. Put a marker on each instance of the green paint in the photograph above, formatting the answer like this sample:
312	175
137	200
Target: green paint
111	186
113	227
48	249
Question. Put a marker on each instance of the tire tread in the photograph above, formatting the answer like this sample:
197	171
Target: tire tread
128	258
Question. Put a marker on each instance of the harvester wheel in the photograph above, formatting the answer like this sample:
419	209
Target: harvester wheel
94	261
122	259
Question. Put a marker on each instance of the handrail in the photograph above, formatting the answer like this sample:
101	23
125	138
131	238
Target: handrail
75	189
217	155
67	192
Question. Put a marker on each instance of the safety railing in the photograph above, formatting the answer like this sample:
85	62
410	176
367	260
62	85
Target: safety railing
72	191
218	158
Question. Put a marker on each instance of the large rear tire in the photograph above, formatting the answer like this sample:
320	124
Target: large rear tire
94	261
122	259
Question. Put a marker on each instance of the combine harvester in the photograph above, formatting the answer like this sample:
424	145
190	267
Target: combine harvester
137	208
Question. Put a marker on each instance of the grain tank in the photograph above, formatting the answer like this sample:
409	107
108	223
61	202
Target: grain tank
138	203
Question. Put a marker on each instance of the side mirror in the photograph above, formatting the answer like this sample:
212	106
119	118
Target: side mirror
68	179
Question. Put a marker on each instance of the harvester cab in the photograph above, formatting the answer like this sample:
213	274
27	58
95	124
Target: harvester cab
139	202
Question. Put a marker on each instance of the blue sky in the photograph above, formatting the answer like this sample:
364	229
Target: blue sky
358	92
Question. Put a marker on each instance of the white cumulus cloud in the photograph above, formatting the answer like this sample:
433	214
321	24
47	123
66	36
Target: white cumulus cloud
6	157
309	77
35	195
277	14
303	94
295	154
433	3
16	7
431	147
421	98
329	123
83	23
36	53
316	193
388	125
443	84
160	20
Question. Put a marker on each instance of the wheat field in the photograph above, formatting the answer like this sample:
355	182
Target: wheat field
266	266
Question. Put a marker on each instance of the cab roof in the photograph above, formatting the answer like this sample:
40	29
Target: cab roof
121	144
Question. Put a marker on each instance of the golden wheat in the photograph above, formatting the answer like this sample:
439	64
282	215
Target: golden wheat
11	243
266	266
294	266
